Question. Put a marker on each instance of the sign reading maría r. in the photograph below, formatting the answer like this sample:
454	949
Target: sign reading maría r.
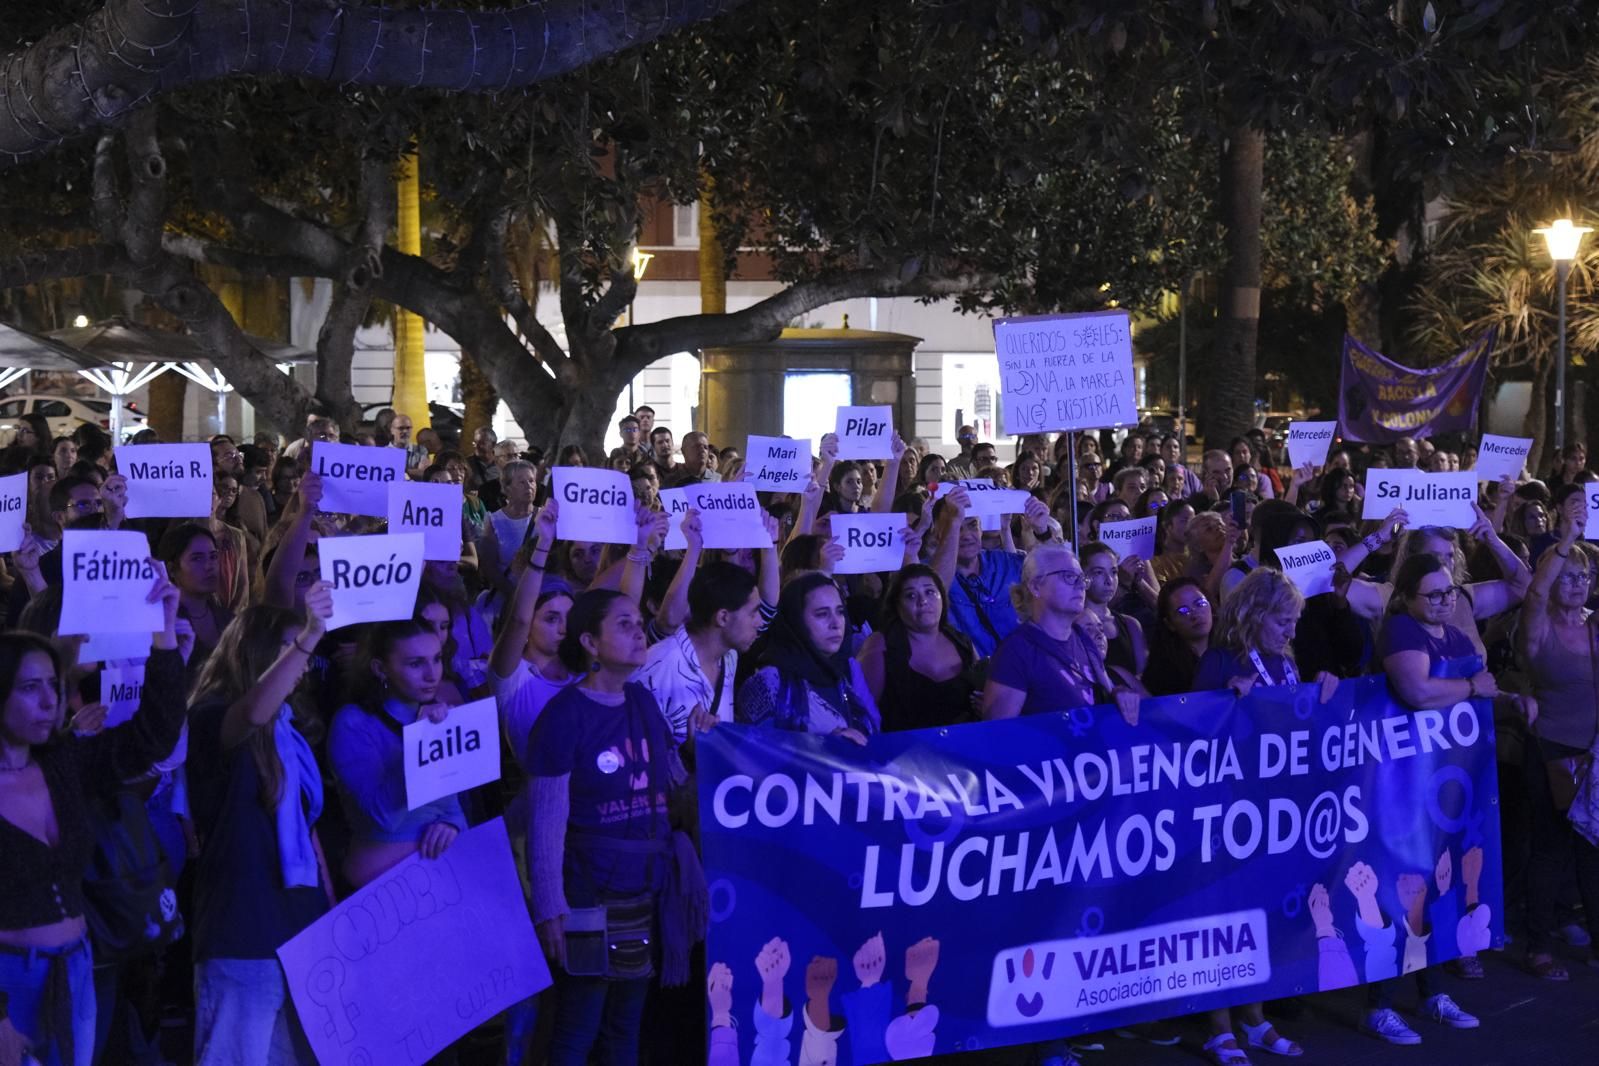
1066	371
595	505
13	511
356	480
374	577
777	464
1429	499
871	542
431	509
167	480
866	432
106	579
461	752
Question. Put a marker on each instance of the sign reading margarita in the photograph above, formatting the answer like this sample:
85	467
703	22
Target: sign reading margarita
1136	538
356	480
1066	371
167	480
1429	499
106	579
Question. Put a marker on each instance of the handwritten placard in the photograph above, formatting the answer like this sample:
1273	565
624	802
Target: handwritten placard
1309	442
424	954
1066	371
356	479
13	511
121	689
167	480
106	579
374	577
431	509
866	432
730	515
1135	537
1429	499
461	752
1309	566
872	542
777	464
596	505
1501	457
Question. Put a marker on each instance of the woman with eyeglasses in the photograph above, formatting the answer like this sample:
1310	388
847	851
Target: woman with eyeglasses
1559	643
1179	639
1090	489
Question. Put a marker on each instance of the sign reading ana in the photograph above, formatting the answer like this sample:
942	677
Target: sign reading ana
427	952
1136	537
1501	457
106	579
1309	442
730	515
356	480
1429	499
1066	371
596	505
1309	566
866	432
432	510
871	542
13	511
777	464
443	758
167	480
374	577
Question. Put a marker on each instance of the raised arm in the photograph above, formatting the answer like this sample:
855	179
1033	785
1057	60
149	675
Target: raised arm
1489	598
888	488
258	706
512	641
1352	556
769	574
651	533
286	561
946	556
674	605
1534	628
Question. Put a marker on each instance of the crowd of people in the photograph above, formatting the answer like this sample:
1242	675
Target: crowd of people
157	864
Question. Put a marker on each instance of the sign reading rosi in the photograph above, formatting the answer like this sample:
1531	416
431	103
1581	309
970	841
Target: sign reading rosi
355	479
374	577
1066	371
167	480
871	542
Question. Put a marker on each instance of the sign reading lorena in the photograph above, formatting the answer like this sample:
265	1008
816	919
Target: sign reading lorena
356	479
1429	499
1066	371
13	511
121	689
1309	442
374	577
865	433
461	752
777	464
106	578
730	515
595	505
167	480
1501	457
1136	537
1309	566
871	542
432	510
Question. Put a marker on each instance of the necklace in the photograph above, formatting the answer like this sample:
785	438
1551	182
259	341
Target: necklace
6	769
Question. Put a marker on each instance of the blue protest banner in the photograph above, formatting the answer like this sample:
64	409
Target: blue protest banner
1009	882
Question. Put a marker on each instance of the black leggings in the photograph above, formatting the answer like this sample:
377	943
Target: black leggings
1556	848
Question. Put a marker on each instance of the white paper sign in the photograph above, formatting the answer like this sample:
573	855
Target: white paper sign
988	500
1136	537
871	542
356	479
1066	371
596	505
114	647
1429	499
730	515
121	688
1309	566
1309	442
167	480
374	577
13	510
777	464
106	579
865	433
451	756
1501	457
431	509
1591	491
430	950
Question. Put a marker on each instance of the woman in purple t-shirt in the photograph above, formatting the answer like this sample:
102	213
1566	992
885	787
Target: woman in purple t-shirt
1253	639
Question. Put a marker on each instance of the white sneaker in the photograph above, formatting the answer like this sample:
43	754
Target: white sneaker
1441	1008
1388	1025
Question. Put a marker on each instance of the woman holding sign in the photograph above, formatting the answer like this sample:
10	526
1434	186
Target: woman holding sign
48	777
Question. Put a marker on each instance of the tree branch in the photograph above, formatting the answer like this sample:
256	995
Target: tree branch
89	75
510	295
84	261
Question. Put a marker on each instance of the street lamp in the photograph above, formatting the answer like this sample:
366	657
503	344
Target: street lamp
1563	238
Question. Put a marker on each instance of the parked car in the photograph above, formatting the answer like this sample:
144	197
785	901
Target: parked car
65	414
444	418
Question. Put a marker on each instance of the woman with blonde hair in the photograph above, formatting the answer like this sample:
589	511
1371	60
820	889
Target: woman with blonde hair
1253	637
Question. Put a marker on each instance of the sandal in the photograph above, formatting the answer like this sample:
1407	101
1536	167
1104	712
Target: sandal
1280	1046
1546	968
1468	967
1225	1056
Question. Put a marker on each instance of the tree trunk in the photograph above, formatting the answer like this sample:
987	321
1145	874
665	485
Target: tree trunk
1537	422
713	268
1229	402
480	399
167	392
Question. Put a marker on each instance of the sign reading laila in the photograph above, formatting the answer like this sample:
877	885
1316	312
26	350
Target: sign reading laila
1380	401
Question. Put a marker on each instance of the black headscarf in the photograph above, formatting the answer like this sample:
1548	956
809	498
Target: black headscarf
790	651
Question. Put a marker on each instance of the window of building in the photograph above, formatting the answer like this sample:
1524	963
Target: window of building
686	225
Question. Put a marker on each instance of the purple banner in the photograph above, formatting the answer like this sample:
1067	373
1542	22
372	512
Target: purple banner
1380	401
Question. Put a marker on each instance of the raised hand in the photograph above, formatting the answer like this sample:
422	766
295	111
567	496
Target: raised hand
920	960
1471	869
1361	880
1036	513
436	839
869	961
896	448
1443	874
819	978
1319	903
114	493
1482	527
829	447
719	992
318	609
832	552
544	524
310	492
773	527
89	719
693	529
434	712
772	964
